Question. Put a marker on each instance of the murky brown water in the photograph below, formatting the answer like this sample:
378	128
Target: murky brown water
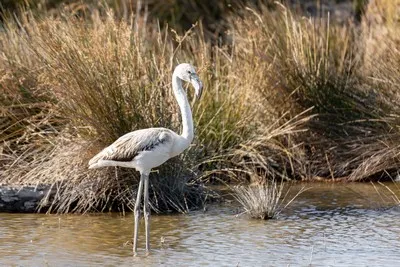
328	225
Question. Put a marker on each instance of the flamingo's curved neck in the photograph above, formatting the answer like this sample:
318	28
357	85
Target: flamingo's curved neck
181	98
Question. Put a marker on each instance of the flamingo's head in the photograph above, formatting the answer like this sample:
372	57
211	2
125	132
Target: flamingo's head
187	73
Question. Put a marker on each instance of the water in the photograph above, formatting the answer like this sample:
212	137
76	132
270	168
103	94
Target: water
328	225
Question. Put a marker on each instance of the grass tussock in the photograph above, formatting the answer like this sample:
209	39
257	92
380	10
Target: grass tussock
104	79
286	96
314	63
264	200
260	202
103	83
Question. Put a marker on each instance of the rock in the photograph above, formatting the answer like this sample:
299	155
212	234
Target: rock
22	198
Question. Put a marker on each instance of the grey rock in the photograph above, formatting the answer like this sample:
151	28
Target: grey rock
21	198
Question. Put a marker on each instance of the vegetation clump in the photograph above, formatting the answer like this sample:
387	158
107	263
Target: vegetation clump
264	200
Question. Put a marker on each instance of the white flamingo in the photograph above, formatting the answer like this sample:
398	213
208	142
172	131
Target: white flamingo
146	149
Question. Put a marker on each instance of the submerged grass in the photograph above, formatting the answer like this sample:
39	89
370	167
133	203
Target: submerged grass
288	97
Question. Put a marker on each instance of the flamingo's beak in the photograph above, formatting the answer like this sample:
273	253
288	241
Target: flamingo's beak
198	85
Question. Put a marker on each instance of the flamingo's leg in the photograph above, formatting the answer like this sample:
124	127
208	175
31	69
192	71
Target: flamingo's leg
147	211
137	213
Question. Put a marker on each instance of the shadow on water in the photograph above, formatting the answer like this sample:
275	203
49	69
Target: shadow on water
329	225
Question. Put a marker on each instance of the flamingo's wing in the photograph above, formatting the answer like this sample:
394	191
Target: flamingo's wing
128	146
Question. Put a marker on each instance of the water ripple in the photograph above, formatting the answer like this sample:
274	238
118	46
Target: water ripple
325	226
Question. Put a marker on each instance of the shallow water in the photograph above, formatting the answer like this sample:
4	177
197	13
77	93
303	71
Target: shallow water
328	225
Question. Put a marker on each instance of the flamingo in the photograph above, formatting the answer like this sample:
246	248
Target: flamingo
146	149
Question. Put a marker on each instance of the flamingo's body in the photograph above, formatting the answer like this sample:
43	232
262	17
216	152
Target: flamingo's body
146	149
142	149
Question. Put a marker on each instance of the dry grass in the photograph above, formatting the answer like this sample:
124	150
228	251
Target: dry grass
104	79
288	97
313	63
264	200
102	83
261	201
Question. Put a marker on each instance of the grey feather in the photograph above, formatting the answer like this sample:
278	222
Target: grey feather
128	146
